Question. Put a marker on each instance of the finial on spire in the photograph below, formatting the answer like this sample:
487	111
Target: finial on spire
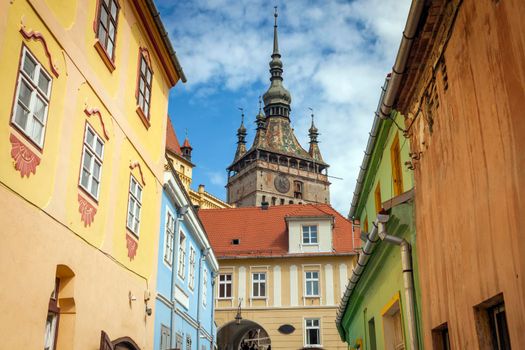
275	41
312	110
242	114
260	104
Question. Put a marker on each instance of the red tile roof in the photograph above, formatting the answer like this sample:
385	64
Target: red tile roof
172	143
264	233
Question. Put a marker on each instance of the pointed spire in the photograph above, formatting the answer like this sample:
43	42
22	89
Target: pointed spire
313	132
314	151
241	137
275	41
186	147
260	118
277	99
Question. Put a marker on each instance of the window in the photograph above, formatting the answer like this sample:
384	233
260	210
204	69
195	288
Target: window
313	331
178	341
188	342
310	234
182	255
393	328
440	338
164	338
53	314
259	285
395	161
204	286
107	26
282	201
92	156
225	286
32	98
312	283
274	200
491	323
365	224
298	189
377	195
134	206
169	238
372	334
191	282
144	84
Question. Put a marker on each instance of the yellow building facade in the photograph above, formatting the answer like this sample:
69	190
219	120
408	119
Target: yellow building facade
282	272
82	134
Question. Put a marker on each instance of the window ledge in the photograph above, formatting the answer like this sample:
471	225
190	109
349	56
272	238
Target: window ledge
143	117
104	55
87	193
258	298
230	298
312	296
133	234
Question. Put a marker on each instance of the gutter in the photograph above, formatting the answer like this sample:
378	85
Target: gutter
389	93
164	35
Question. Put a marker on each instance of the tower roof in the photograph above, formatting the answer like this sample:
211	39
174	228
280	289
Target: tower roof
172	142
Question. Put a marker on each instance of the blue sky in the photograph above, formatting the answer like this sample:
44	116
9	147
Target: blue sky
336	55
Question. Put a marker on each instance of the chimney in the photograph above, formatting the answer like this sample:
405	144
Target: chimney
265	205
201	188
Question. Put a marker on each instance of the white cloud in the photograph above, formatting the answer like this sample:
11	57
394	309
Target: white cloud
335	53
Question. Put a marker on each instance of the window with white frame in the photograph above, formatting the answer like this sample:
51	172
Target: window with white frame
225	285
204	286
182	256
144	88
312	332
32	98
169	237
165	336
312	283
259	284
134	206
191	282
92	158
310	234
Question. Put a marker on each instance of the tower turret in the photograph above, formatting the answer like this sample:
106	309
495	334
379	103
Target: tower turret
314	151
186	148
241	138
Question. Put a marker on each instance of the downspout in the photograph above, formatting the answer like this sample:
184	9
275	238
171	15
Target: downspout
214	276
408	282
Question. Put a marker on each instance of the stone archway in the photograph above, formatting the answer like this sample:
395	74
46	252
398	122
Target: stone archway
233	336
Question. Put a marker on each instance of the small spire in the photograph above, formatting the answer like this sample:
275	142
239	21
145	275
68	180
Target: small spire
313	132
241	132
260	104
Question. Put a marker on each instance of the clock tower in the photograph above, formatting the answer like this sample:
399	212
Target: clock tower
276	169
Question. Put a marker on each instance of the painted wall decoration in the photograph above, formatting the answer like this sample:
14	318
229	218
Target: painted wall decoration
37	36
87	211
95	111
132	246
25	160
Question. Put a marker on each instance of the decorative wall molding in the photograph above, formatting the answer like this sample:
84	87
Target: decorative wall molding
37	36
91	111
25	160
87	211
132	246
134	165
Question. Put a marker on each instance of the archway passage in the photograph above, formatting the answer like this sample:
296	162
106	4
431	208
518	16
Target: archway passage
246	335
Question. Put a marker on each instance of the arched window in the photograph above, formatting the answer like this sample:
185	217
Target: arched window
61	308
298	189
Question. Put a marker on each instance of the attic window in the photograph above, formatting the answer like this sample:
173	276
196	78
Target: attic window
236	241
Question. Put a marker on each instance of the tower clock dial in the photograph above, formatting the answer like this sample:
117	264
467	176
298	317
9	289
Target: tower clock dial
282	184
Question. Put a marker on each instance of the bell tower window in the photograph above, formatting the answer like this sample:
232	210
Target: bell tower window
298	189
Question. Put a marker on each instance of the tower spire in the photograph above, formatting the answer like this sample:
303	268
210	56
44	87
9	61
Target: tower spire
275	41
241	137
314	151
276	99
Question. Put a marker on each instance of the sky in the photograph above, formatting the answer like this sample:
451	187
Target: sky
336	55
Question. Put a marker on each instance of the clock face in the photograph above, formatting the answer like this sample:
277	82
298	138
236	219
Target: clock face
282	184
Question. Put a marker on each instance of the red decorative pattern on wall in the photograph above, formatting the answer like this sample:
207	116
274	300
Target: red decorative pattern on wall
87	211
37	36
25	160
90	111
134	165
132	246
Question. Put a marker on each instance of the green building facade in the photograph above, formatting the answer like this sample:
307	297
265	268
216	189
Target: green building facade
375	312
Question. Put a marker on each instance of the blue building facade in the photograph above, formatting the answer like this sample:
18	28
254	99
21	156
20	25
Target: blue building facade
185	277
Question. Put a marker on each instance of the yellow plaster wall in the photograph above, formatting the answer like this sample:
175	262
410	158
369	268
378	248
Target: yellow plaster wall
41	223
271	317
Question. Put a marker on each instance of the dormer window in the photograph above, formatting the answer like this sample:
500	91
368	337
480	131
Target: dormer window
310	234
